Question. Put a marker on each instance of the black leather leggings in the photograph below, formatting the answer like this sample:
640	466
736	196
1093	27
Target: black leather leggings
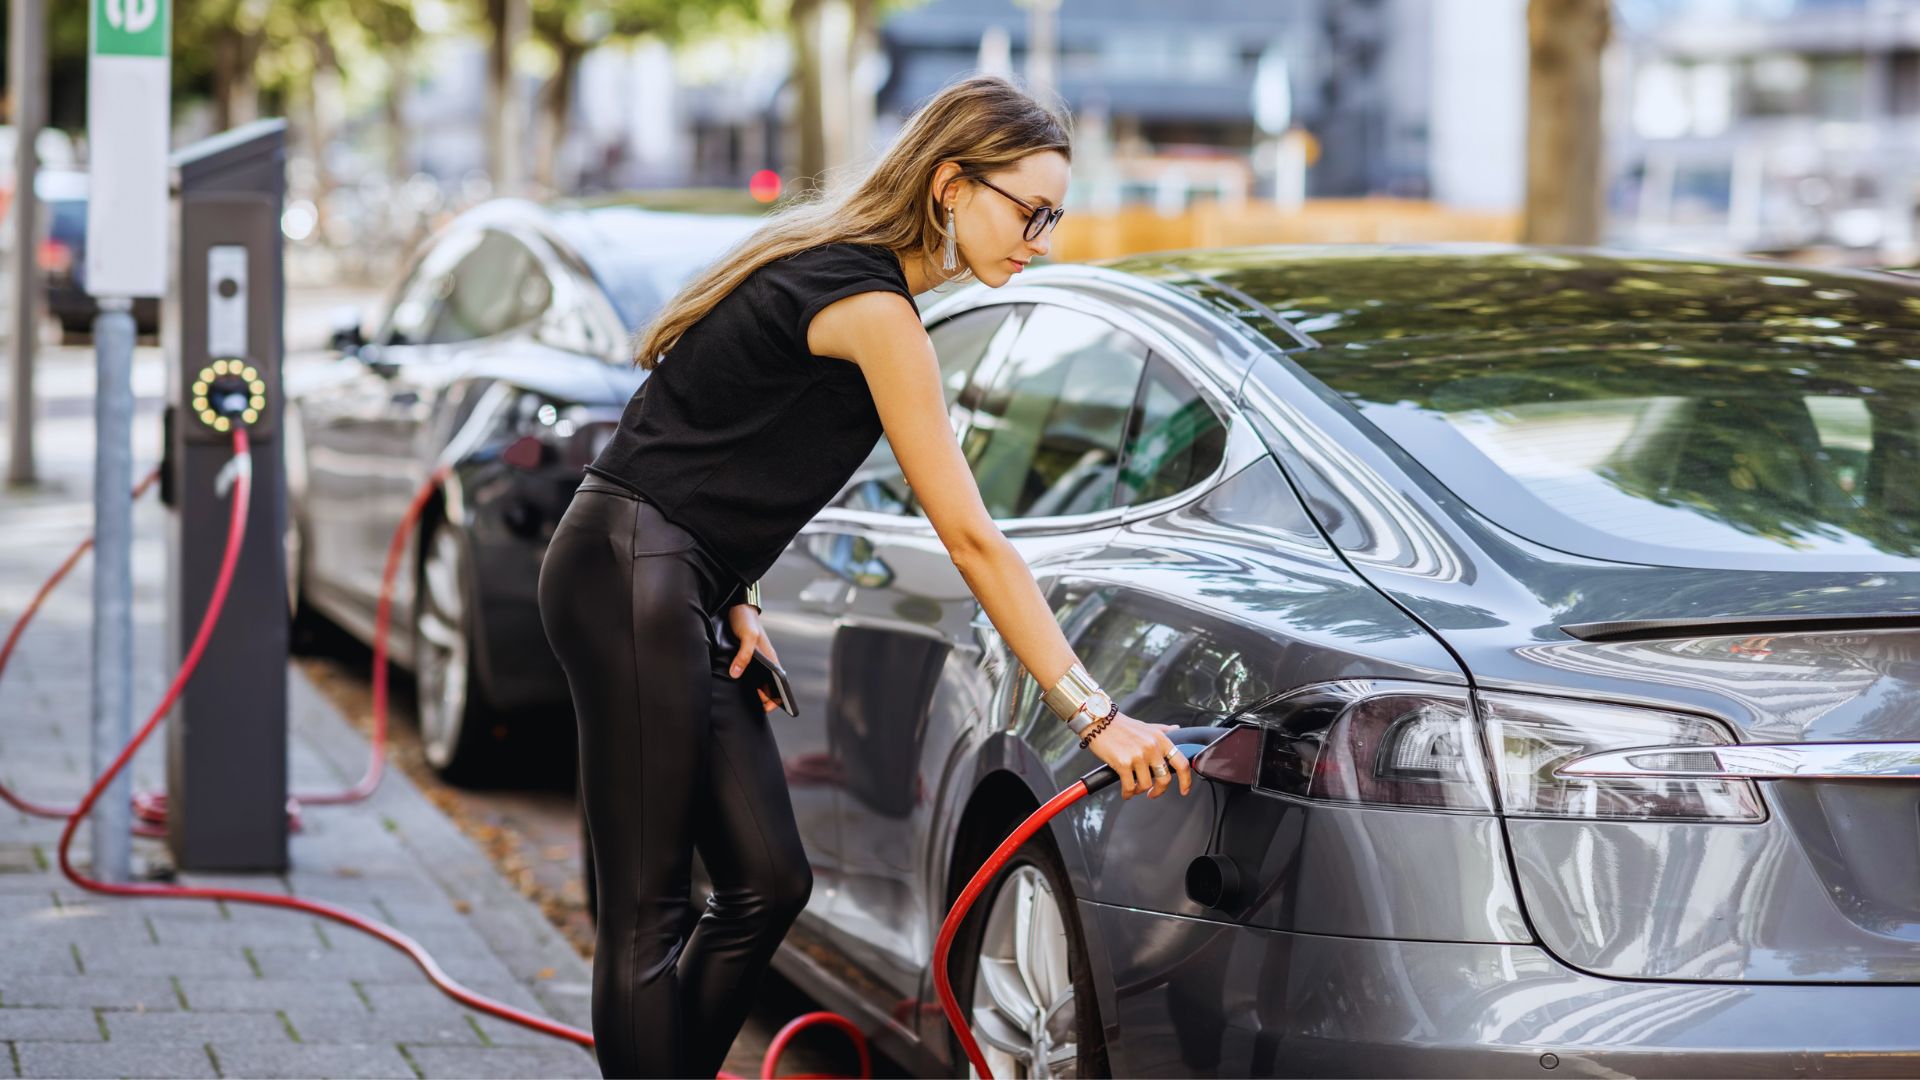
674	753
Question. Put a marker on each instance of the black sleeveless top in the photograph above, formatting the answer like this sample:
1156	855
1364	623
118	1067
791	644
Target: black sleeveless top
740	435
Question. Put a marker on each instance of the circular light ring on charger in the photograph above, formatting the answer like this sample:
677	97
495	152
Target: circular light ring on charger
232	369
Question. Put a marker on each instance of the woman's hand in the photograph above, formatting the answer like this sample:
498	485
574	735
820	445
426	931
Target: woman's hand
745	621
1133	748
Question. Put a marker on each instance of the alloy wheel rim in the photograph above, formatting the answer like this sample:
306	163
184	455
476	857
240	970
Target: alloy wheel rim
1024	1015
443	648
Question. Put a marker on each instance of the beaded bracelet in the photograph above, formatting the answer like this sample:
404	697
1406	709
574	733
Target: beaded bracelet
1100	724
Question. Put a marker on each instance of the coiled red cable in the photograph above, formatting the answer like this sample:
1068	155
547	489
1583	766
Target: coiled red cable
153	806
150	807
236	534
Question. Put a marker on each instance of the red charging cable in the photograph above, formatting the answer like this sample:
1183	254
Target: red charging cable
236	532
976	885
150	807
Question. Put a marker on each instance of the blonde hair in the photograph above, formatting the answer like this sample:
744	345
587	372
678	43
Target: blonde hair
983	123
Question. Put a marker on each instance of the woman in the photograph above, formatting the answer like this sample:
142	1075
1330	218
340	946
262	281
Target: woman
783	365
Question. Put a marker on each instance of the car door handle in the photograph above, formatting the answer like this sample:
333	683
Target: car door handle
407	397
1755	761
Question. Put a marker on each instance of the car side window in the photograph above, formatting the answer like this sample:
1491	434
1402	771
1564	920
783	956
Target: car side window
1174	438
498	286
1044	431
960	342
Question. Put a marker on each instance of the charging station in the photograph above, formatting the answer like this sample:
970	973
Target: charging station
222	330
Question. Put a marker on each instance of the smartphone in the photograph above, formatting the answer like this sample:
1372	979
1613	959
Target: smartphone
775	677
764	670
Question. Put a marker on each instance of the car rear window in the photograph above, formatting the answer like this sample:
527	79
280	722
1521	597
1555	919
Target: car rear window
1745	442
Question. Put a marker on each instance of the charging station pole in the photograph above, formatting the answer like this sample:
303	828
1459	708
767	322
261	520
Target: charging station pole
222	322
128	84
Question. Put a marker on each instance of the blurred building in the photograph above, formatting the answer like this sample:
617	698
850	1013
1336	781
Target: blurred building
1408	98
1172	86
1781	126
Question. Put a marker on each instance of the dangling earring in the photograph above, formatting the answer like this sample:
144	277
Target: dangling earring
949	261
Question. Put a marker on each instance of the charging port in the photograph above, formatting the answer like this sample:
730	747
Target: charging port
226	390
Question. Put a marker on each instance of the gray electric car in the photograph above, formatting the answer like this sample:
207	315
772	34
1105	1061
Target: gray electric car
1450	530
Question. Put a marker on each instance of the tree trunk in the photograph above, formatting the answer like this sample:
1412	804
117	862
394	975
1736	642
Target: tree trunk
399	81
327	98
822	32
810	158
556	107
862	100
1564	181
507	20
236	96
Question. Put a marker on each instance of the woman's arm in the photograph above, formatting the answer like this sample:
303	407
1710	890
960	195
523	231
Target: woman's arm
880	332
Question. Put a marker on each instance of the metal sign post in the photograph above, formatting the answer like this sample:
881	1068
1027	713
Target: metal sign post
128	82
26	77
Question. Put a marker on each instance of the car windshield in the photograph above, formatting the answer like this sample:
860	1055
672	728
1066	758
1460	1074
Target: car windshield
67	220
638	286
641	258
1734	440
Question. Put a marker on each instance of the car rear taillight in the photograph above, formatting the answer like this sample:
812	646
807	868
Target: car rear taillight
55	257
1531	737
1376	743
1429	747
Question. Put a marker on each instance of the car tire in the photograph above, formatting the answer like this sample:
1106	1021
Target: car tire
1034	877
461	734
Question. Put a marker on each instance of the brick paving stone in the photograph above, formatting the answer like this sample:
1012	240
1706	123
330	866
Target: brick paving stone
444	1026
182	1028
346	1061
88	1062
267	995
153	992
163	960
42	956
64	1025
508	1061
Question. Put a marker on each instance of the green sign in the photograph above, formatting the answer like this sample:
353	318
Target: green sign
130	28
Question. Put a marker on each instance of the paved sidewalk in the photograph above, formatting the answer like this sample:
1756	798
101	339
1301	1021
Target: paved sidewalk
95	985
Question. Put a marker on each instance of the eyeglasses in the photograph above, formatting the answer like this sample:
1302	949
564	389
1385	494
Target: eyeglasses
1042	218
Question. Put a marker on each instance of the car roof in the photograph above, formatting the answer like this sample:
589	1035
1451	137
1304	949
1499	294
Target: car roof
1402	299
623	233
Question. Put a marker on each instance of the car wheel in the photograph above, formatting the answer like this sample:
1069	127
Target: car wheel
1023	980
460	733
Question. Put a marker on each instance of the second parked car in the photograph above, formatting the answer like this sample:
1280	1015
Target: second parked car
503	352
